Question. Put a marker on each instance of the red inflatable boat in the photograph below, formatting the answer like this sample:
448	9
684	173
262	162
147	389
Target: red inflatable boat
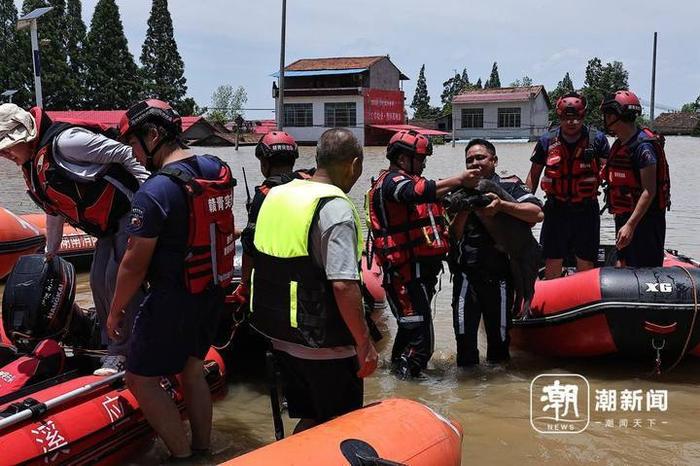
633	312
83	420
75	243
17	238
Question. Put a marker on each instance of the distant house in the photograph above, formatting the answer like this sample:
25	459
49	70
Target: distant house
501	113
363	94
678	123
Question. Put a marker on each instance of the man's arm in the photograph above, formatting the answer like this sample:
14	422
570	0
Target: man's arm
533	177
54	234
132	272
348	297
648	181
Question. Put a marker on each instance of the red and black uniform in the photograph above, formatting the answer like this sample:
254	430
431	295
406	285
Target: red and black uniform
93	206
409	237
622	173
570	180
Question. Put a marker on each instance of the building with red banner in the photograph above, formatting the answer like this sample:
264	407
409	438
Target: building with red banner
363	94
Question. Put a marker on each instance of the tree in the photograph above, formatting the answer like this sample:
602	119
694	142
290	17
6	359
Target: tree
478	84
75	34
601	80
112	76
163	69
226	103
563	87
188	106
692	106
59	84
452	87
526	81
11	66
494	80
421	99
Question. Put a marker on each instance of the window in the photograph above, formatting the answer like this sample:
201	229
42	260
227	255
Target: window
340	114
509	117
472	118
298	115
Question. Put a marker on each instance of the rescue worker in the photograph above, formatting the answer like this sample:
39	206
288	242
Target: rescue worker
482	282
409	238
182	242
305	291
570	156
639	185
75	173
277	152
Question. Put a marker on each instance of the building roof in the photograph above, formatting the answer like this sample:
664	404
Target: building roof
106	117
419	129
678	123
264	126
348	64
500	94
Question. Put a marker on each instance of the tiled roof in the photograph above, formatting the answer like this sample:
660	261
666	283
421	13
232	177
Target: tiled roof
501	94
106	117
677	122
333	63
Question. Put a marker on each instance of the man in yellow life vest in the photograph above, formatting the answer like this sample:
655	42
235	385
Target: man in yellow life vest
305	294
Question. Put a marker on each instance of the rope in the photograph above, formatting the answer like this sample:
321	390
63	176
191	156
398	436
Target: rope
236	323
692	322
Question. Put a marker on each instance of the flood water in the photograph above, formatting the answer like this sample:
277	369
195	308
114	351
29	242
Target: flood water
491	403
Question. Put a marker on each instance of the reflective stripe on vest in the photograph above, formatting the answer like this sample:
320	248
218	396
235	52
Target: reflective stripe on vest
567	176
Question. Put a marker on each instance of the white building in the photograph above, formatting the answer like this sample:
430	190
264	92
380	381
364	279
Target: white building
362	94
501	113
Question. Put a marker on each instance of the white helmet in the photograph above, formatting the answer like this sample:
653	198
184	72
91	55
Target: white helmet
16	125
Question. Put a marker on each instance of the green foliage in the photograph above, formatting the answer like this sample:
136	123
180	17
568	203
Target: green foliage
563	87
13	69
59	84
691	106
602	80
75	34
454	86
494	80
526	81
163	69
226	103
478	84
188	107
112	76
421	99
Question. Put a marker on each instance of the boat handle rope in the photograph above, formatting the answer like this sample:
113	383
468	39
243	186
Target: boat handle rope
237	321
691	328
658	348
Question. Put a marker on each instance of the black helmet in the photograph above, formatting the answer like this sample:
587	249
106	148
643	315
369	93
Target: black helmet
38	300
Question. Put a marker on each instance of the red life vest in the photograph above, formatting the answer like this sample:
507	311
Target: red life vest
210	242
571	177
93	206
402	233
277	180
624	183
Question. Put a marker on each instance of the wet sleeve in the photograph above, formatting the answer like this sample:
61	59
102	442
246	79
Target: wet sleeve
539	155
520	193
401	188
147	216
79	145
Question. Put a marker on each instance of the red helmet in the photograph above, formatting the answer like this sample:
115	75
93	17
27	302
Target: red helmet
409	141
153	111
623	103
276	143
571	104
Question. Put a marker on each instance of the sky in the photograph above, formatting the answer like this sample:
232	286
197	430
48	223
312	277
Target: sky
238	42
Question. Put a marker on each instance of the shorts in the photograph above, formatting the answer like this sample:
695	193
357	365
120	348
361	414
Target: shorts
570	229
320	389
647	246
172	326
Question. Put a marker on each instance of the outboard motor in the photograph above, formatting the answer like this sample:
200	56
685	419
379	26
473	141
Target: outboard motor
38	300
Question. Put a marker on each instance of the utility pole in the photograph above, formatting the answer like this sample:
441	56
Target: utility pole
653	83
280	99
30	21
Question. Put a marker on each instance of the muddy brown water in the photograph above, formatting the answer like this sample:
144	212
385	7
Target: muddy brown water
491	403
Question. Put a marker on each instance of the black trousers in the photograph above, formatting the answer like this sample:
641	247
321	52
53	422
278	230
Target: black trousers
409	300
474	296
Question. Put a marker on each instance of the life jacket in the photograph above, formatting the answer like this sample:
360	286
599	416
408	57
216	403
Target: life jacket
93	206
624	182
296	301
402	233
210	241
277	180
571	177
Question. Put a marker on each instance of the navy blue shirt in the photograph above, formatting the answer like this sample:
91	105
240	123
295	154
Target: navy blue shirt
160	209
644	154
600	146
